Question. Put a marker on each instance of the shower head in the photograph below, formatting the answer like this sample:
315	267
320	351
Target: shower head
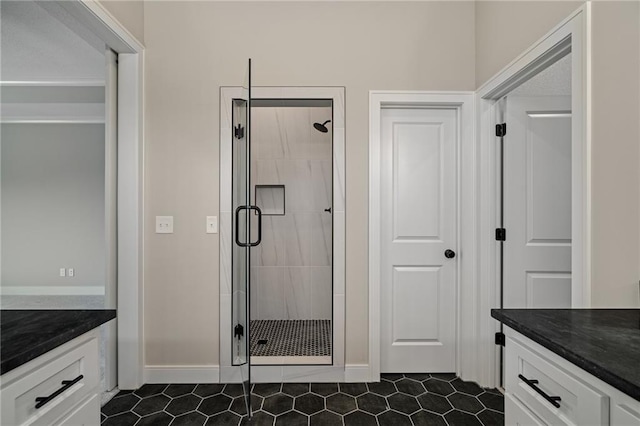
322	127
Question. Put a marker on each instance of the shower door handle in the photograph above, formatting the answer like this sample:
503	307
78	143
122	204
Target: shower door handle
257	242
237	236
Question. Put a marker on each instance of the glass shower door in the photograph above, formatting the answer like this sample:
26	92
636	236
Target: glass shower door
243	240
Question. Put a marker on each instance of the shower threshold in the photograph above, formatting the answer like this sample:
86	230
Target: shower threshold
285	342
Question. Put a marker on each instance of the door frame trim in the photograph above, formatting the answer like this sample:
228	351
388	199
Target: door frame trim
463	103
572	34
130	183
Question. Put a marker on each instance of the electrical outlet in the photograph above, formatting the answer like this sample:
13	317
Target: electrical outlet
164	224
212	224
71	272
63	272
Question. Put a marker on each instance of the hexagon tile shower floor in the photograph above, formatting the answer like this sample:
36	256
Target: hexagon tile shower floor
397	400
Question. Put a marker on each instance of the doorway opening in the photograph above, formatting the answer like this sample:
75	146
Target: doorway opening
536	197
291	182
59	158
544	94
534	174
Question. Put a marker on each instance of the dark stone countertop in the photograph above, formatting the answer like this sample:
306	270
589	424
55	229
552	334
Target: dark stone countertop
603	342
27	334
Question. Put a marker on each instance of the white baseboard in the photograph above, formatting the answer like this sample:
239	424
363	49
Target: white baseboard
52	291
356	373
213	374
182	374
230	375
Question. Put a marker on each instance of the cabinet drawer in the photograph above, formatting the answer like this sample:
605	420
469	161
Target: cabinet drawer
625	411
580	403
622	415
58	377
515	414
88	414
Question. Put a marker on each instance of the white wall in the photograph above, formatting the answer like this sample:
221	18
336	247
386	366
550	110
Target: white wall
504	29
53	205
615	194
130	13
193	48
291	269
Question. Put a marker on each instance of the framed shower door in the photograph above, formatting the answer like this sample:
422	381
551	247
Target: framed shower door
242	238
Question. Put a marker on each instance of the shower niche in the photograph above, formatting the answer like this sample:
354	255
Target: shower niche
270	199
285	283
291	181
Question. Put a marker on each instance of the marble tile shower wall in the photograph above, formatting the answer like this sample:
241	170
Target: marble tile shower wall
291	269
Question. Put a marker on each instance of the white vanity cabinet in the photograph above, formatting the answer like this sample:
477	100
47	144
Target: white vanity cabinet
543	388
57	388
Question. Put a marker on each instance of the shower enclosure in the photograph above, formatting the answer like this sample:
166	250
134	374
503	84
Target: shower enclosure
277	235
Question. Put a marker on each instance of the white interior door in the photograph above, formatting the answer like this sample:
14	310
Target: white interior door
537	202
419	217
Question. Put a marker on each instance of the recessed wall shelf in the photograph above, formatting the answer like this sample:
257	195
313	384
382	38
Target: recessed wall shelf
271	199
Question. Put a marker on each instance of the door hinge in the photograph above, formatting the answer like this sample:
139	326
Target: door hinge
501	130
500	339
501	234
238	131
238	331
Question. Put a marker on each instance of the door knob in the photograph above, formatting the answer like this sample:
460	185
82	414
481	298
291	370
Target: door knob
328	210
449	254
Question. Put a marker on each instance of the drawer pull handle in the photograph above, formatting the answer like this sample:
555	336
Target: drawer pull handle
553	400
66	384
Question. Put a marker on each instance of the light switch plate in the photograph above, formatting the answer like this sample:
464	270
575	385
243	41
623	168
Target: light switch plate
212	224
164	224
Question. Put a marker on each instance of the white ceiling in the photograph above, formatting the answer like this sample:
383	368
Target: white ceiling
555	80
36	46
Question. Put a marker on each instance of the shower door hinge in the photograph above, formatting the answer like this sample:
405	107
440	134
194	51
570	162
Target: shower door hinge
501	130
238	331
500	339
501	234
238	131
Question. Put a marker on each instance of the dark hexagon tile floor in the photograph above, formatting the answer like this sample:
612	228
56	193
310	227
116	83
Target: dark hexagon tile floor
398	399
